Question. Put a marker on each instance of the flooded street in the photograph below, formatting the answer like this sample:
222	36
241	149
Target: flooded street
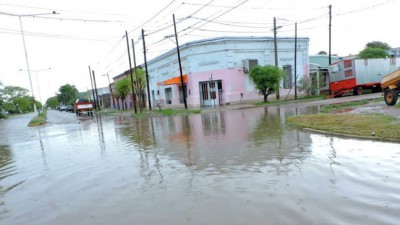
225	167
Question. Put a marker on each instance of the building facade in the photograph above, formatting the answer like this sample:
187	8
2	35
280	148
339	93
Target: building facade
216	71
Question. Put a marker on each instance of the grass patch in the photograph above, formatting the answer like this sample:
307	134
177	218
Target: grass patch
366	125
108	112
38	120
169	112
165	112
288	101
333	107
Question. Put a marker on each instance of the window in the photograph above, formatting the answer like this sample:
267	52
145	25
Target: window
287	80
249	64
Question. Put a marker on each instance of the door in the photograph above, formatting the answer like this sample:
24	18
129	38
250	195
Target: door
168	96
210	93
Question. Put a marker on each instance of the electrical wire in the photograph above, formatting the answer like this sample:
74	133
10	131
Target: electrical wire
46	35
224	13
365	8
62	10
151	18
232	25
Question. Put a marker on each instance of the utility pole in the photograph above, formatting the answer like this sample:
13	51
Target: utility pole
91	83
330	43
136	74
97	94
130	69
180	65
330	34
147	73
27	65
295	61
276	57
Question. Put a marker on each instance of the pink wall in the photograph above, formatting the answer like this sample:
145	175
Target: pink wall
233	83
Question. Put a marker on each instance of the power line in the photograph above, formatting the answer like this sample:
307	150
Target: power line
65	19
151	18
232	8
232	25
81	20
62	10
45	35
365	8
227	31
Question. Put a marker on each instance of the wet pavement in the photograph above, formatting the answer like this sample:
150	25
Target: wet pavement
237	166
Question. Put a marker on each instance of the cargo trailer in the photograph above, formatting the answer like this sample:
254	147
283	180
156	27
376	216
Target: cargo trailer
357	75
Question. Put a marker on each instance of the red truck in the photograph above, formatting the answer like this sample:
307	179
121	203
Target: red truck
83	106
357	75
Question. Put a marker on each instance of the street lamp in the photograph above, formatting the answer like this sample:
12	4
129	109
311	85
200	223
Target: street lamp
26	53
37	79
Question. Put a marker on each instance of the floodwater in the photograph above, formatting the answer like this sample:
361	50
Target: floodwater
226	167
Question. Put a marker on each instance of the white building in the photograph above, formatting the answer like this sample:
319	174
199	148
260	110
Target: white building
215	70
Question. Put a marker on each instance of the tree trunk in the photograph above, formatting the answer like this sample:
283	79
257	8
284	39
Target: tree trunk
266	97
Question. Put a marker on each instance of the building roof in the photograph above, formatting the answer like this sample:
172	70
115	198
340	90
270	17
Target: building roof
323	60
222	39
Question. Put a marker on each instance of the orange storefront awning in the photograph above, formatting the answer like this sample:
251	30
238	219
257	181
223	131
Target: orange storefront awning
174	80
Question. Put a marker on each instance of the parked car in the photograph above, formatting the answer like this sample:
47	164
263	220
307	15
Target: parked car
83	106
63	108
69	108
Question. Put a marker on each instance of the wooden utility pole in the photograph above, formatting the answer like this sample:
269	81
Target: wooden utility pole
330	43
276	57
97	94
130	69
91	83
295	61
180	65
147	73
136	75
330	34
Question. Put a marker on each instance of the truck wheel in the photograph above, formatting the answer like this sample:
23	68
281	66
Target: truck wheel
391	96
358	91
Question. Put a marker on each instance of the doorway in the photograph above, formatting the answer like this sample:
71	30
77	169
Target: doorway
211	93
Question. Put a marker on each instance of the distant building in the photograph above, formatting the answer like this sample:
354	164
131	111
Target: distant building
104	96
319	71
394	52
215	71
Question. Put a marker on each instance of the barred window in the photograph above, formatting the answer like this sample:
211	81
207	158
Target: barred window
288	79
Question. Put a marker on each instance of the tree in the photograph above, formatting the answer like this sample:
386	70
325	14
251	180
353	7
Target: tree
52	102
122	89
377	44
67	94
306	86
322	53
1	101
370	53
266	79
16	99
140	87
374	49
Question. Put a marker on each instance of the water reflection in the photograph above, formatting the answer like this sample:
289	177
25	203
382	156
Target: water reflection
7	169
234	166
222	142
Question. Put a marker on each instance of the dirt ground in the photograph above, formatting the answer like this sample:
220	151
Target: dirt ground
377	107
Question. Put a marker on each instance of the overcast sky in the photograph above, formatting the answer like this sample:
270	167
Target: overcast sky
91	32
